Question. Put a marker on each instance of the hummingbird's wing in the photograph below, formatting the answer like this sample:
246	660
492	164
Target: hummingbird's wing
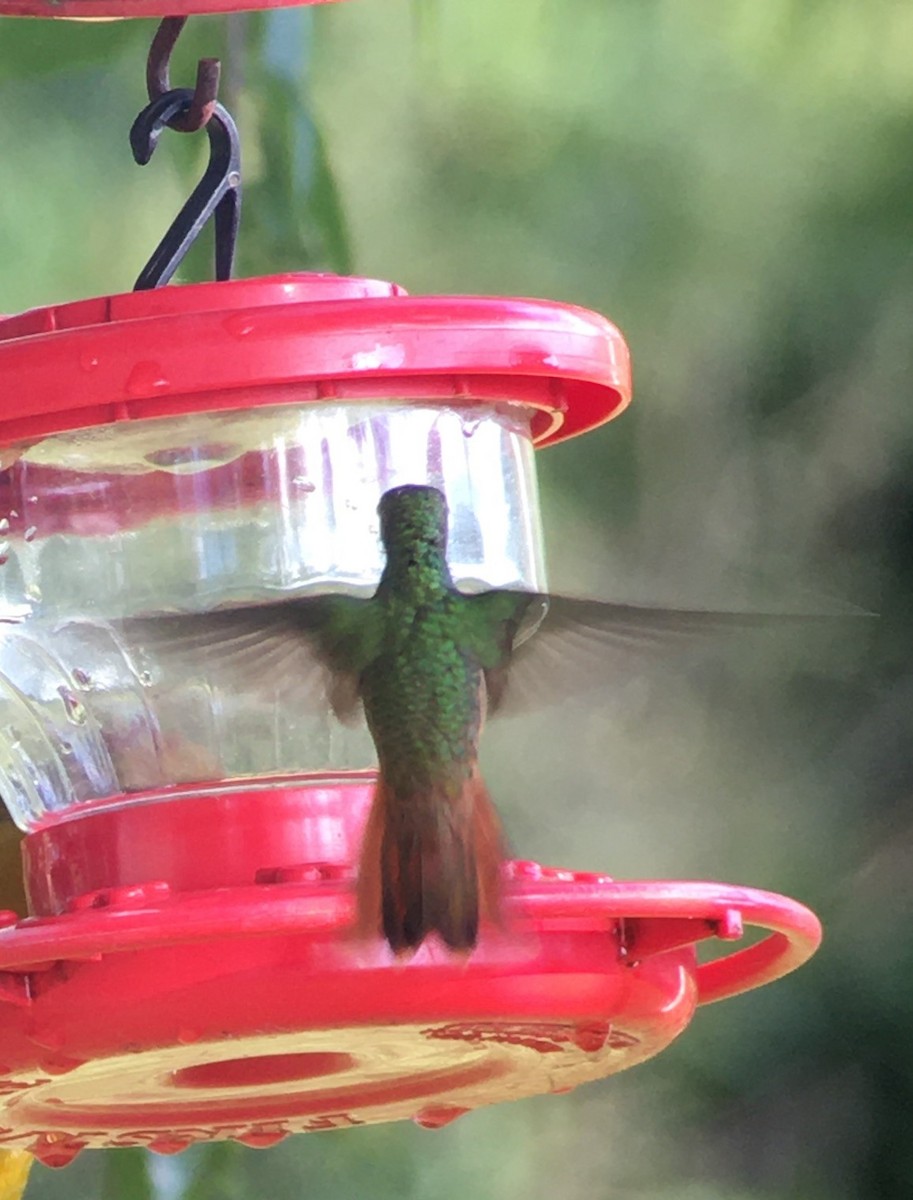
310	652
307	653
584	644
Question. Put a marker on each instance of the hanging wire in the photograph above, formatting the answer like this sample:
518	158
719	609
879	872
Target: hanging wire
158	77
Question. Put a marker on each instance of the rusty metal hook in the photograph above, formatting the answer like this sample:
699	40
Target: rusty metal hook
158	78
217	195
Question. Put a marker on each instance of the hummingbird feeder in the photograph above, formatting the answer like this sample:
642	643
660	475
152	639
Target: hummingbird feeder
187	970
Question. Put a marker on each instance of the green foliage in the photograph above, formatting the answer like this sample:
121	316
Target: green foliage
294	216
215	1175
126	1176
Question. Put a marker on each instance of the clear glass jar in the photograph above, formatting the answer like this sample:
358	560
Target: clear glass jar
211	511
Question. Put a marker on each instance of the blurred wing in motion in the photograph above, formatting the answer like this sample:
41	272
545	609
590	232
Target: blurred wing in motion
585	644
307	654
310	653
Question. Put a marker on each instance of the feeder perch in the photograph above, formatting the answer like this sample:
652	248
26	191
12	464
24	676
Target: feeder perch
186	970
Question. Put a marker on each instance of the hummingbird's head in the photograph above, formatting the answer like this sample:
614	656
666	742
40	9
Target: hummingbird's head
413	516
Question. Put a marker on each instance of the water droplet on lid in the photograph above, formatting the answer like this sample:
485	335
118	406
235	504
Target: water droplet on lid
436	1116
30	533
145	678
146	379
83	678
261	1140
73	706
56	1150
470	427
13	513
88	362
239	325
33	499
304	484
4	525
33	592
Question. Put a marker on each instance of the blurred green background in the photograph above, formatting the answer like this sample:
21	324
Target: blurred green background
732	182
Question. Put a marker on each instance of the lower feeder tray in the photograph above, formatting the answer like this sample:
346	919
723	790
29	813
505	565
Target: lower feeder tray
190	974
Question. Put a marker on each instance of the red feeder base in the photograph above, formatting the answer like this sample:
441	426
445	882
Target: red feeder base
157	1011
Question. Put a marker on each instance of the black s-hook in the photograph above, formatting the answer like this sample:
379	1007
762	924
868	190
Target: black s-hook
218	194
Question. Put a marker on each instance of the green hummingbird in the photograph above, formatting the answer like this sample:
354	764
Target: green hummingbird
428	664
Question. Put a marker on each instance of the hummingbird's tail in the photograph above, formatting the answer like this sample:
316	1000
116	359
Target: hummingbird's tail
430	865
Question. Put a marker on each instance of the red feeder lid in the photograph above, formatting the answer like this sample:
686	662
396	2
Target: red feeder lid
211	346
170	1009
119	9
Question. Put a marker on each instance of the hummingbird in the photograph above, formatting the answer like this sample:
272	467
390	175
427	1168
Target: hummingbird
428	664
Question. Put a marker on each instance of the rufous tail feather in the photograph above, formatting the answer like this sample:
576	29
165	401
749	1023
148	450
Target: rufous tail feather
430	864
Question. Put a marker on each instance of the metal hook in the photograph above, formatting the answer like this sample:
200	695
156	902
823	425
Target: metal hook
217	195
158	77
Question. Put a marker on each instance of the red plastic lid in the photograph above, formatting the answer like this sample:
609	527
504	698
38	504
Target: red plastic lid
165	1011
205	347
83	9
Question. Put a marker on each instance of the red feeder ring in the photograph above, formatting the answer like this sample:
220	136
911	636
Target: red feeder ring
197	348
160	1014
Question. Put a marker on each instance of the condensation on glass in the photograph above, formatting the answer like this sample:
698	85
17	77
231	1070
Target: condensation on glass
197	513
